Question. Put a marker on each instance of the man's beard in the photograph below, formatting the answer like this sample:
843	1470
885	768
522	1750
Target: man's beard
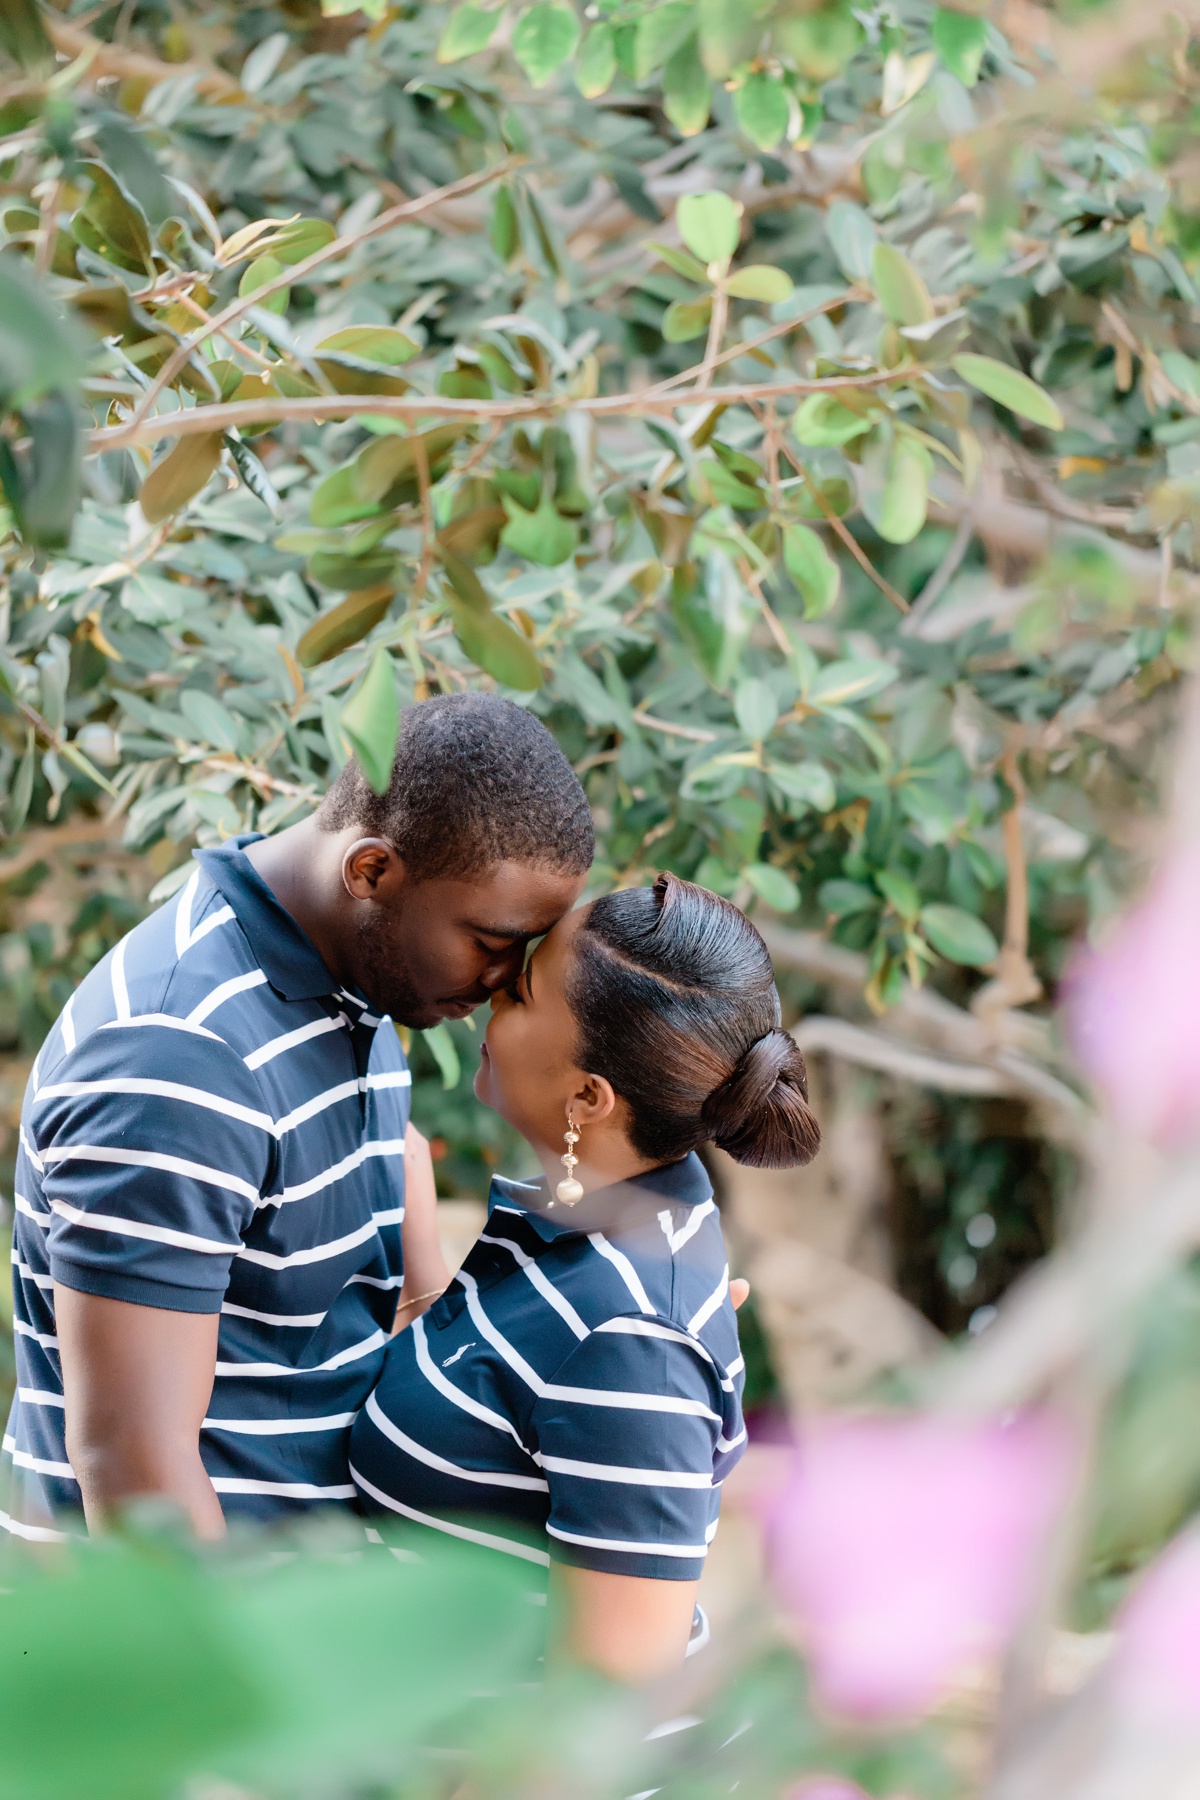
384	974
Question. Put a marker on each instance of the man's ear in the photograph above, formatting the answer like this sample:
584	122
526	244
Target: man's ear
593	1100
372	869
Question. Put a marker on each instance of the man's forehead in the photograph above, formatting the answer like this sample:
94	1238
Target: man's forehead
516	900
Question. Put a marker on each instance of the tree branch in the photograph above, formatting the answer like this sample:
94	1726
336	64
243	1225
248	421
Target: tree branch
395	215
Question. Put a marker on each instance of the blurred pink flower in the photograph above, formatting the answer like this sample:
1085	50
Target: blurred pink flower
1157	1662
1134	1008
907	1549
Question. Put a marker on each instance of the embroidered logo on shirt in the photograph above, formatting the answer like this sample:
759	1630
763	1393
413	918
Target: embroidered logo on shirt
461	1351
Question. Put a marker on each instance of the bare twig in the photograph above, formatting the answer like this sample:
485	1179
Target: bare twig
942	576
239	413
716	331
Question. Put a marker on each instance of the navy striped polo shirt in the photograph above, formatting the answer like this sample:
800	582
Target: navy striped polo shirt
215	1126
576	1392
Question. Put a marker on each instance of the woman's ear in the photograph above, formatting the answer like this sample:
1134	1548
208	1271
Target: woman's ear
593	1101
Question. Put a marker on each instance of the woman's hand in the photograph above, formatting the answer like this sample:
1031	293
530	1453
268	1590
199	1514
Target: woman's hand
425	1271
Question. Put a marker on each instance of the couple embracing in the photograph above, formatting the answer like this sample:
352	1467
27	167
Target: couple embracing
228	1288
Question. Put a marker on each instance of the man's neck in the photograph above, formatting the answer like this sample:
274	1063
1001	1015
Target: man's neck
302	866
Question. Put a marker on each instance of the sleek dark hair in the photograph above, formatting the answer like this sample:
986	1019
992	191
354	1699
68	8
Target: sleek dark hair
675	999
477	780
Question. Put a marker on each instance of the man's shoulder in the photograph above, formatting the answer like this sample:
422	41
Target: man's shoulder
154	981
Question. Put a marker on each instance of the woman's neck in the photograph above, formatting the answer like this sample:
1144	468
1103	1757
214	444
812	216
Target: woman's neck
604	1159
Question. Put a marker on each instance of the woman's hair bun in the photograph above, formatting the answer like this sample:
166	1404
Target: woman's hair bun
761	1115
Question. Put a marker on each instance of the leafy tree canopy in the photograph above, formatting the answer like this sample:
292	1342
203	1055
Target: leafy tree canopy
795	405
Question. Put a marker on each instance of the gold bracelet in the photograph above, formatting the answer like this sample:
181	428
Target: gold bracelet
433	1294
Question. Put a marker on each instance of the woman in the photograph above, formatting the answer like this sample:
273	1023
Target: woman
573	1398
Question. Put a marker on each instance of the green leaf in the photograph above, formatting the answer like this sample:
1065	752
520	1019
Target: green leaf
822	419
842	899
851	679
381	344
256	275
659	34
755	708
298	239
504	228
469	30
958	935
213	723
902	294
180	475
45	472
686	319
112	224
371	722
811	567
899	892
337	569
495	647
772	885
759	281
343	625
38	352
441	1046
852	233
762	109
729	32
959	39
710	225
23	35
543	39
1010	388
683	262
596	64
75	756
900	511
810	783
820	43
543	536
715	617
687	90
490	641
21	795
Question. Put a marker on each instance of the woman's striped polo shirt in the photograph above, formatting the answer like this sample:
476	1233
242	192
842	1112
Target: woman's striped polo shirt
215	1126
576	1391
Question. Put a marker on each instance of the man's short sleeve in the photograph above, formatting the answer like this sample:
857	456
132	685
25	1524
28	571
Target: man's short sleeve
154	1148
627	1434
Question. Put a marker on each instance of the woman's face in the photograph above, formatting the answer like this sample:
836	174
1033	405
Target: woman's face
527	1069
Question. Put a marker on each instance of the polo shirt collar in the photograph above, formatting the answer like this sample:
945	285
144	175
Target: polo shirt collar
286	955
622	1205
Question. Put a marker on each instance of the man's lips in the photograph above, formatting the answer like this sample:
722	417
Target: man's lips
458	1009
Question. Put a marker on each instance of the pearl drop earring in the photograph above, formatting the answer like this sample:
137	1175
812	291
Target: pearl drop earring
570	1191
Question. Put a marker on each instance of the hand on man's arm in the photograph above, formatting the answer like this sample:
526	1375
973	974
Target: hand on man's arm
137	1381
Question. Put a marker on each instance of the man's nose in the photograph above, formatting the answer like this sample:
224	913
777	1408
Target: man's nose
504	970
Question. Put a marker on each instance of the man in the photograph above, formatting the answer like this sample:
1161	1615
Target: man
210	1185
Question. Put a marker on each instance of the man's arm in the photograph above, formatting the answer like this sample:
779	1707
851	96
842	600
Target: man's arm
137	1381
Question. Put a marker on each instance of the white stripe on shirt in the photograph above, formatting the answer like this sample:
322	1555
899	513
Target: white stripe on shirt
225	990
700	1319
119	986
289	1039
487	1538
137	1228
485	1477
183	912
624	1268
153	1159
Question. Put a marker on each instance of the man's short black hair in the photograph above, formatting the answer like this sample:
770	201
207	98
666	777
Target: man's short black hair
477	780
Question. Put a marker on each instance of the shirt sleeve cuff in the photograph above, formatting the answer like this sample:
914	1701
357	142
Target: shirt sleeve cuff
108	1285
623	1562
